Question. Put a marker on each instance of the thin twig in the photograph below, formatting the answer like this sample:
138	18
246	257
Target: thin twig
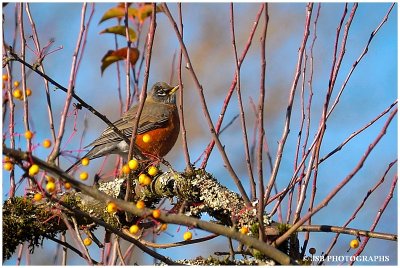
41	68
232	87
261	131
181	92
353	216
207	116
341	185
381	210
286	129
71	85
240	104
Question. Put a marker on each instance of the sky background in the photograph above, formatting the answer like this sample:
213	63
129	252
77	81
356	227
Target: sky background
371	89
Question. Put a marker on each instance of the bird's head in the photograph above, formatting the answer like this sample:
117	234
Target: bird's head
162	92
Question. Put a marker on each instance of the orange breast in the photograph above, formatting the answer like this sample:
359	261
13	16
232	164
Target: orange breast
162	139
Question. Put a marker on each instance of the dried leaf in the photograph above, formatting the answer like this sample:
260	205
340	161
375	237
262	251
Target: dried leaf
116	55
121	31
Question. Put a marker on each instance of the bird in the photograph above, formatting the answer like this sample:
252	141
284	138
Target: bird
158	122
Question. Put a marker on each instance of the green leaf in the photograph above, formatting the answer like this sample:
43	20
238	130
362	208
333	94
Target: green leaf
121	31
118	12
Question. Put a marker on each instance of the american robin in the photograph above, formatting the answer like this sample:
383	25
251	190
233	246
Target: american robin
159	123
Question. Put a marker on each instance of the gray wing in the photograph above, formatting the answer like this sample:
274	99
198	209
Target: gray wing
150	119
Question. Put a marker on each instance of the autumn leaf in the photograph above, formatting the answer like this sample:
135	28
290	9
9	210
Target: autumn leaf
121	31
118	12
116	55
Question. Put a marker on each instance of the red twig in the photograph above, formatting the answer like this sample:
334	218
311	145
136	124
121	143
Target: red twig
240	103
353	216
341	185
205	109
232	88
290	104
261	131
71	86
41	68
181	92
378	217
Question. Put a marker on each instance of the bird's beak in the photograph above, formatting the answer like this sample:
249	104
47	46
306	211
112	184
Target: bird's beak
173	90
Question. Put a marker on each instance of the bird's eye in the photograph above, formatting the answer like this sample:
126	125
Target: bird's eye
161	92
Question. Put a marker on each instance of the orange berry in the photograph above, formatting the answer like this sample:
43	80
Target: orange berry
67	185
156	213
17	93
134	229
33	170
37	197
46	143
6	159
140	204
133	164
8	166
126	169
5	77
244	230
50	179
111	207
164	227
152	170
146	138
28	92
85	161
28	134
50	187
187	236
87	241
16	83
354	243
84	175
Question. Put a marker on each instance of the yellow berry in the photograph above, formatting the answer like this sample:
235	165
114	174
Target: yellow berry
142	177
17	93
50	179
46	143
8	166
164	227
126	169
28	92
84	175
50	187
133	164
33	170
354	243
28	134
111	207
67	185
244	230
16	83
146	138
140	204
87	241
152	170
5	77
134	229
156	213
37	197
85	161
187	236
146	181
